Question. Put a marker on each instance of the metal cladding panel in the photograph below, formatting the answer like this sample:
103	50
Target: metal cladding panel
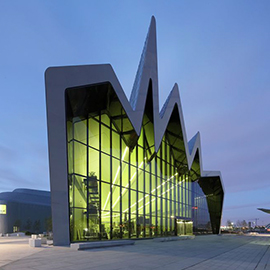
211	185
58	79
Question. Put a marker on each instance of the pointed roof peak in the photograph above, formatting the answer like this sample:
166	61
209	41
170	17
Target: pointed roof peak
151	35
191	143
147	65
153	22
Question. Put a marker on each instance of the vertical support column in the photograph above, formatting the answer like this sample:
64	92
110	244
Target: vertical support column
170	192
150	199
144	155
111	232
161	191
129	197
100	175
120	201
180	178
156	201
137	190
165	195
73	184
87	173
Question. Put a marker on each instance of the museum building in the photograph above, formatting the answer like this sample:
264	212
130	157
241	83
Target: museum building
124	169
25	210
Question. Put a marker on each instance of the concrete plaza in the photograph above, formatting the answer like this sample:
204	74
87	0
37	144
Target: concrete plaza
203	252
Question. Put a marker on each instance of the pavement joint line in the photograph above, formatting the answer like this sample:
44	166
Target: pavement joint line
215	256
261	257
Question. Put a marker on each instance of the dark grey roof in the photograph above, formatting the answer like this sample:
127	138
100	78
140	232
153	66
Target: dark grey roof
29	196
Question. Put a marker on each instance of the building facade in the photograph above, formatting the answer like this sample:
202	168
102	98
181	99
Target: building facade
124	169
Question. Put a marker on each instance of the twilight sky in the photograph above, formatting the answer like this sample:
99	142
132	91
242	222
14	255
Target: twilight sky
217	51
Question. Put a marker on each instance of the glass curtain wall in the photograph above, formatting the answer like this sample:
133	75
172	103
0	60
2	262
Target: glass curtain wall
201	218
114	191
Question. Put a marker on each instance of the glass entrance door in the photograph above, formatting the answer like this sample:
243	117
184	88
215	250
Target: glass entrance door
184	227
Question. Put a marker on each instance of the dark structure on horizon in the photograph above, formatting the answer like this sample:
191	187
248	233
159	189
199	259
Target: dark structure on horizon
124	169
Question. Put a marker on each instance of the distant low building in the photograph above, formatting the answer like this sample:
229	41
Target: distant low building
25	210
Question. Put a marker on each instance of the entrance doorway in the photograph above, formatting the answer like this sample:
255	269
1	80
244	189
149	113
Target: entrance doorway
184	227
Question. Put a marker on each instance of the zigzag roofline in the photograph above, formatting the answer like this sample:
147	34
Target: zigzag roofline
71	76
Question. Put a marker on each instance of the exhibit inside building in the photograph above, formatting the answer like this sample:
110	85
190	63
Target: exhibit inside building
124	169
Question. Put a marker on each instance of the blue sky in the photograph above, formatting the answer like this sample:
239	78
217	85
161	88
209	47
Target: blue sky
217	52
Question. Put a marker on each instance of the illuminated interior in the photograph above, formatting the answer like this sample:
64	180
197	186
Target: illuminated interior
119	187
3	209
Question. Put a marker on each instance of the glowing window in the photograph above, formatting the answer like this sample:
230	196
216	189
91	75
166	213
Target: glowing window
3	209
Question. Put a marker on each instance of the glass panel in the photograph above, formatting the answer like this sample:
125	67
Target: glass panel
105	168
94	162
147	167
79	191
105	225
125	199
140	141
116	226
115	145
70	157
164	207
147	226
147	183
69	131
126	225
116	199
125	152
105	139
140	226
140	157
80	158
93	228
147	204
159	186
125	179
93	133
133	182
115	172
133	226
159	226
80	131
141	180
159	206
78	224
153	205
105	197
105	119
158	167
153	226
133	201
133	157
141	203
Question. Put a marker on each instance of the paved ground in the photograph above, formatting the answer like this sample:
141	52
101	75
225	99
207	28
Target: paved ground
204	252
